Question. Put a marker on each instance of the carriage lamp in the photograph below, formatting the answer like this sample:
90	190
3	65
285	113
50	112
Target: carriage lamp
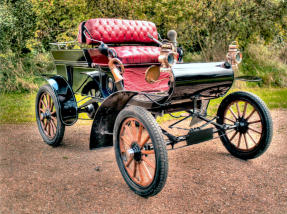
234	56
167	59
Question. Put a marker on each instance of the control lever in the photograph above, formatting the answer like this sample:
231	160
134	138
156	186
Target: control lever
116	72
154	39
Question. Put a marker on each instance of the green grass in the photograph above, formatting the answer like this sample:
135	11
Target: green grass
19	108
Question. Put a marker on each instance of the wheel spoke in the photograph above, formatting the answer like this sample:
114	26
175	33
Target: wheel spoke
50	101
129	161
256	121
233	114
48	128
141	144
41	117
233	135
250	115
254	130
43	103
129	171
141	173
123	151
135	169
145	169
52	106
229	120
126	140
133	128
147	152
129	133
244	110
251	137
54	119
239	140
53	113
148	162
46	124
244	135
238	110
140	133
46	100
54	128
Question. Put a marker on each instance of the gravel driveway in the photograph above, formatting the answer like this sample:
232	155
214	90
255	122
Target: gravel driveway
203	178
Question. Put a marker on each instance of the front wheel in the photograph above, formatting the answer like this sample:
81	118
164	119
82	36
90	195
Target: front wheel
253	132
140	151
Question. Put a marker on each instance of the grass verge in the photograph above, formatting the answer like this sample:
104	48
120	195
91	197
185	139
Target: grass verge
20	107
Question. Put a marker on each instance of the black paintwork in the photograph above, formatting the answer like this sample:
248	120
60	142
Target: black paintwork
205	80
103	125
66	99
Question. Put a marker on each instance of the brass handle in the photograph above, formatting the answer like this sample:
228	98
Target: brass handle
115	71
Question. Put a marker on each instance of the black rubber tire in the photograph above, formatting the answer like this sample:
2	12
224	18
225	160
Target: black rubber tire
159	146
60	129
267	125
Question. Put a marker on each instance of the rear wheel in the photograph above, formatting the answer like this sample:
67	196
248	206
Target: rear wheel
253	133
140	151
47	115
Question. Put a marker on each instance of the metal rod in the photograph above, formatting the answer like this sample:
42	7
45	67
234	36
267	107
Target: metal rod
179	121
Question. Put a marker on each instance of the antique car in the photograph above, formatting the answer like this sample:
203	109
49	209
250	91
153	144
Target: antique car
124	76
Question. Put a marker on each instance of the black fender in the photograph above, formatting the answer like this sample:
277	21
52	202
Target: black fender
105	117
68	110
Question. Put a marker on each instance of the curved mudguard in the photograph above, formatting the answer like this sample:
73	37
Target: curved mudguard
66	99
104	120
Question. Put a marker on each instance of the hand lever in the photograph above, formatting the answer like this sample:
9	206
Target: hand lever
154	39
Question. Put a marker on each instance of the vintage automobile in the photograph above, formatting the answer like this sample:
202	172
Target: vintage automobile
126	76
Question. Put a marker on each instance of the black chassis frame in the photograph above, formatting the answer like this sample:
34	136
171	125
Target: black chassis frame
194	85
105	116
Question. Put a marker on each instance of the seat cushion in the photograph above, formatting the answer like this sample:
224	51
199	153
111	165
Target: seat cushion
138	54
117	31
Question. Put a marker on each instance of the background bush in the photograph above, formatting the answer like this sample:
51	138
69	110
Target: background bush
205	29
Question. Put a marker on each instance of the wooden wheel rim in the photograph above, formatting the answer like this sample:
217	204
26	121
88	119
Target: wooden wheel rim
47	115
137	154
242	112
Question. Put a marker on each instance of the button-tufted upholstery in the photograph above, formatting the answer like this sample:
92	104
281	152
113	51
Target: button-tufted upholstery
115	31
138	54
118	31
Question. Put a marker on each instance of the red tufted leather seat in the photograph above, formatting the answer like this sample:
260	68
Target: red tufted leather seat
117	31
138	54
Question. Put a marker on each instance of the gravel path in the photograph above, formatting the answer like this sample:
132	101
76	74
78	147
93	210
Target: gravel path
204	178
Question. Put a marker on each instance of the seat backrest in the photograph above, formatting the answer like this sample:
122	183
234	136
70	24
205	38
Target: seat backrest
116	31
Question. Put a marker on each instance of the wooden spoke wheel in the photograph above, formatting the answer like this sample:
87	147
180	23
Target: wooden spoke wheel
47	116
140	151
253	125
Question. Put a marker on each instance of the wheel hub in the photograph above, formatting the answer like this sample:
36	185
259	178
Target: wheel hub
47	115
242	125
136	150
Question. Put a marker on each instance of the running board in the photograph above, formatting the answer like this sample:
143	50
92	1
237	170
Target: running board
199	136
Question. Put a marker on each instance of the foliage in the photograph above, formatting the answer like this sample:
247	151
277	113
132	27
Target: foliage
205	28
263	61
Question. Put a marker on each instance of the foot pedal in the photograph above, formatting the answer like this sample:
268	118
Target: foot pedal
198	136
